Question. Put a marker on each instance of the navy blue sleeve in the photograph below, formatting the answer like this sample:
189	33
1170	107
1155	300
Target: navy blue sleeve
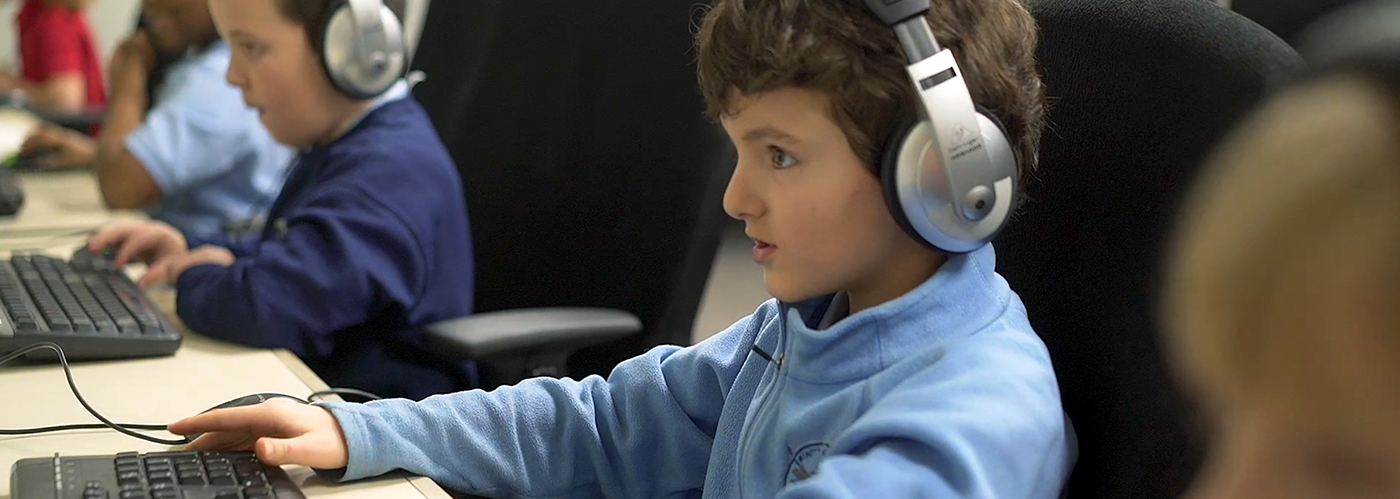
344	258
218	238
239	247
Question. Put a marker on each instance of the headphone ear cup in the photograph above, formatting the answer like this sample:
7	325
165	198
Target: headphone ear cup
331	42
889	168
988	114
339	51
900	159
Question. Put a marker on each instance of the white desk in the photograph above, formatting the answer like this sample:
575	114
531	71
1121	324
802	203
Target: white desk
202	374
14	127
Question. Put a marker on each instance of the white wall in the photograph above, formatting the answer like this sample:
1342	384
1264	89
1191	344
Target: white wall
113	19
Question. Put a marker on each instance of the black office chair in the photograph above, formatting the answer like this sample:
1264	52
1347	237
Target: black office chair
592	178
1139	91
451	48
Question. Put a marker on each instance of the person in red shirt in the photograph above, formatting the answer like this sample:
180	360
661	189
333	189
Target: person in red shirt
61	72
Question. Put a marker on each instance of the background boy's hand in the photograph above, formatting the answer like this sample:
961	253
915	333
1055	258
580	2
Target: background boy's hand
279	431
131	65
169	269
146	241
74	150
8	82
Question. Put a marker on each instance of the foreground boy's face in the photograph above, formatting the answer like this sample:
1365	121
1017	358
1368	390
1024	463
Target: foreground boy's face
277	70
814	210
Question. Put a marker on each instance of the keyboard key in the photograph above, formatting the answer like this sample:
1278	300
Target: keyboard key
222	479
128	478
227	495
153	464
245	469
133	494
257	493
165	494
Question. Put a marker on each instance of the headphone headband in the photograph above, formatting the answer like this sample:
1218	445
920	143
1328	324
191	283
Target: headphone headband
951	180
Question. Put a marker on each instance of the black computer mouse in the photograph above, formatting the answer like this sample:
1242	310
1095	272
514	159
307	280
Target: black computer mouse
11	192
255	399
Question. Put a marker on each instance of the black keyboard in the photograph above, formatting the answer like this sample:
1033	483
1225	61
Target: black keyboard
86	306
154	475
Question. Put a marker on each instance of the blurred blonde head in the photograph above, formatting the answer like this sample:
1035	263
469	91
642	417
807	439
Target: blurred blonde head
1284	297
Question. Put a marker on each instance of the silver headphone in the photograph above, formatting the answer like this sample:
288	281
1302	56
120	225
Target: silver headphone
950	178
362	48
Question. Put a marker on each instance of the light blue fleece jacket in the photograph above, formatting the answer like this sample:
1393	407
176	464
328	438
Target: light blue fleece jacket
944	392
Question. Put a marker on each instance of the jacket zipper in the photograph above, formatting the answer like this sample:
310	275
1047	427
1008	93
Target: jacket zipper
774	389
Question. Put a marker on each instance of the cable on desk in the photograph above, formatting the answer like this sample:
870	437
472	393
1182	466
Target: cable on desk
106	423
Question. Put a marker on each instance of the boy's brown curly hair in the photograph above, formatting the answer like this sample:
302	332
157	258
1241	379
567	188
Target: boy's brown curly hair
747	47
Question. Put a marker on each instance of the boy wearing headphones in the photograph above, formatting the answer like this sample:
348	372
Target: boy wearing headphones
368	241
185	150
883	368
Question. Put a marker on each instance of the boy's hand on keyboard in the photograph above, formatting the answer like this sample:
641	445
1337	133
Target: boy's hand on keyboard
279	431
147	242
169	270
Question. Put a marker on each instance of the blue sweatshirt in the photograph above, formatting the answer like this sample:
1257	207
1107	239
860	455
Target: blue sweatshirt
367	243
944	392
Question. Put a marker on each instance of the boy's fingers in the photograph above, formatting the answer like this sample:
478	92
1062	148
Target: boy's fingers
137	246
155	274
109	236
305	450
255	419
222	441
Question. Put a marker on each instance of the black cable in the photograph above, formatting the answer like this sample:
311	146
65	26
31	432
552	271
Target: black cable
72	427
68	373
344	391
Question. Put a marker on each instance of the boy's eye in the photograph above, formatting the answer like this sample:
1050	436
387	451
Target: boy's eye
781	158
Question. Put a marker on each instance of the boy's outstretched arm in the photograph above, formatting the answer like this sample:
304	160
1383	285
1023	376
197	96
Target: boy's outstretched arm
646	431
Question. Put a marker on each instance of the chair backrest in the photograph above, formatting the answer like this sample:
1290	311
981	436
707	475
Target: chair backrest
592	176
1139	90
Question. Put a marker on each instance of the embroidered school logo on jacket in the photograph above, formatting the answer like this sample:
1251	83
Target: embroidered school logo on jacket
805	461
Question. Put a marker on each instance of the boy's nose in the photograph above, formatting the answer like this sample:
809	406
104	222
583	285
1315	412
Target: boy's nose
739	201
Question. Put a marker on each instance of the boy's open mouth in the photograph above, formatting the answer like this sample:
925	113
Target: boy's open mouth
762	250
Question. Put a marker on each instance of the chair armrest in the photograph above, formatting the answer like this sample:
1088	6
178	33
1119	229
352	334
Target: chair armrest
529	330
